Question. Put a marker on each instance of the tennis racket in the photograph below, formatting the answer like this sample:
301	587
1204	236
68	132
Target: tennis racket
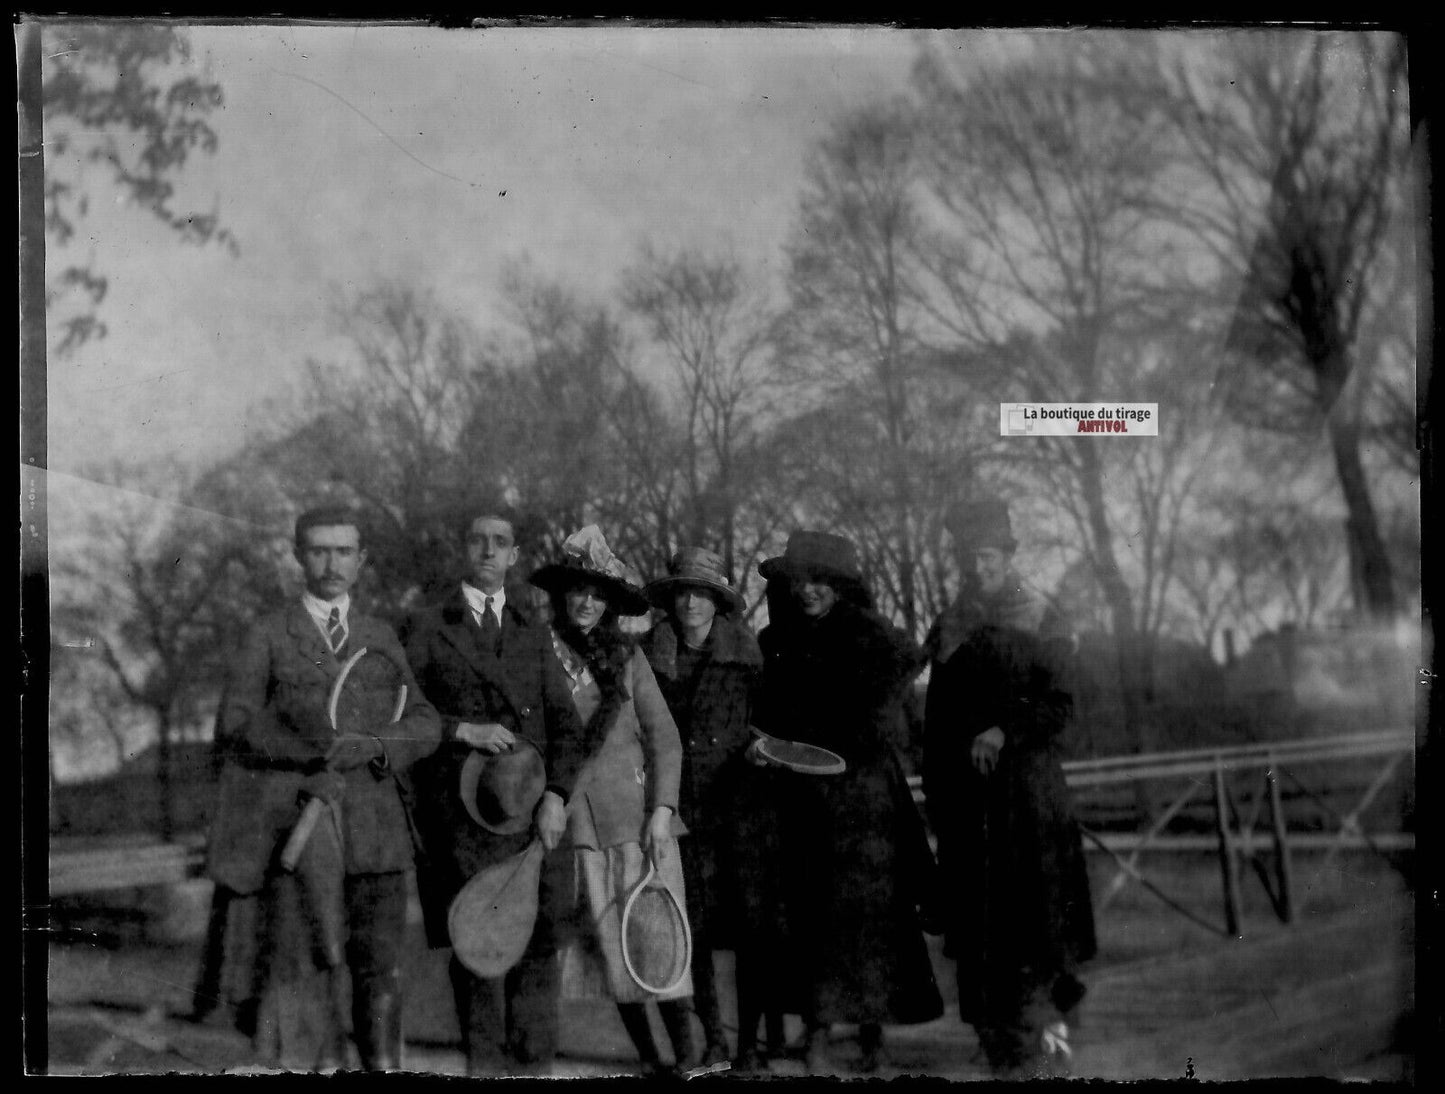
798	756
369	691
656	937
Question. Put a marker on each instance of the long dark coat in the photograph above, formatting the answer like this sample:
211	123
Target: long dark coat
1018	914
851	846
713	712
521	687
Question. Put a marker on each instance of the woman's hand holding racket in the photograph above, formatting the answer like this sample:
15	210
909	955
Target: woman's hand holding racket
658	835
807	759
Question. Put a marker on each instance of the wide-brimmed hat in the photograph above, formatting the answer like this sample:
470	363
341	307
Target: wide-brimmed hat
587	560
815	552
490	921
500	792
698	568
981	523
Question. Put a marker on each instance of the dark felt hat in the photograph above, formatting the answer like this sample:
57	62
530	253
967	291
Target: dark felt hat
815	552
500	792
587	560
981	523
694	567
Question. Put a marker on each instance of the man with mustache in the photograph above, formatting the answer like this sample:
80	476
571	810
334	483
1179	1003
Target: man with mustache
343	910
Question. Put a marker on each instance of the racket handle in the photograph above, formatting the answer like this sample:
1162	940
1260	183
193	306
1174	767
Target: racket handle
296	842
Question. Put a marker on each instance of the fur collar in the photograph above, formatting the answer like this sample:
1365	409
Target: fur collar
1017	606
730	641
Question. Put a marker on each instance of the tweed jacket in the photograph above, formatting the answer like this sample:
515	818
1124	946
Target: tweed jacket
272	730
521	686
636	766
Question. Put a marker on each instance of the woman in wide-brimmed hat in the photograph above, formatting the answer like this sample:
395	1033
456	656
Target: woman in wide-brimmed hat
856	864
708	665
624	808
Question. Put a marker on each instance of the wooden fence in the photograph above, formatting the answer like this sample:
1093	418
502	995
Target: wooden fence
1258	835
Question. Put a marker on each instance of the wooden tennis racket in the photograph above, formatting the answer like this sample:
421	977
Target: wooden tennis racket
656	937
798	756
369	691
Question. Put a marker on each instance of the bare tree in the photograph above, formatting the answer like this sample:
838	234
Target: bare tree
1053	268
856	352
156	586
712	324
1304	156
379	426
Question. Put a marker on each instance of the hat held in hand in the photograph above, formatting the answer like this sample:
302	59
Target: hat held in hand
501	792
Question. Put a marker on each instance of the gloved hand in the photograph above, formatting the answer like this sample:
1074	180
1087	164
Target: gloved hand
352	750
329	786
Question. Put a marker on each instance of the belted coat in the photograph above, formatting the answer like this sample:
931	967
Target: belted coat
272	731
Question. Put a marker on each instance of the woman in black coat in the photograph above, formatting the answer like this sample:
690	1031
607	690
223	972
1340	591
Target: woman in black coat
708	665
855	860
1020	920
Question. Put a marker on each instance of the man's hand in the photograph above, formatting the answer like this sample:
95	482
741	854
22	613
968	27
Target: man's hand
986	747
487	736
352	750
659	835
550	820
329	786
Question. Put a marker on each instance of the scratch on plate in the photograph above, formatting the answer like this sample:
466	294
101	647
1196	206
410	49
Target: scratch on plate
369	121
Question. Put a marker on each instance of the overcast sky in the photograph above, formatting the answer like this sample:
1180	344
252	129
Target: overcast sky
351	154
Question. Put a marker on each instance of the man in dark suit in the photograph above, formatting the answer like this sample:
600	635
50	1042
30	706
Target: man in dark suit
345	905
498	684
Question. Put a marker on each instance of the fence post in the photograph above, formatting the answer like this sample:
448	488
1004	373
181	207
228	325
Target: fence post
1228	863
1284	871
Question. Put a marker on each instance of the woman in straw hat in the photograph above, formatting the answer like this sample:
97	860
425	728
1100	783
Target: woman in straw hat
1020	919
708	665
856	857
623	811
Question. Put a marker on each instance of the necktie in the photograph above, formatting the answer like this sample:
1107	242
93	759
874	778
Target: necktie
491	631
335	632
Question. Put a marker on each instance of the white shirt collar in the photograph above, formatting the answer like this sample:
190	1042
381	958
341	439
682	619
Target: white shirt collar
320	610
476	600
